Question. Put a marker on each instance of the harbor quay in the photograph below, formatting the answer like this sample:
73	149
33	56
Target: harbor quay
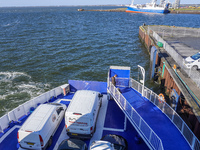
168	47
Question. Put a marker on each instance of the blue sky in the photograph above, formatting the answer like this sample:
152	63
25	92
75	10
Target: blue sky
78	2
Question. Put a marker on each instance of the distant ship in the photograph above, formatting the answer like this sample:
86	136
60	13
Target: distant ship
149	7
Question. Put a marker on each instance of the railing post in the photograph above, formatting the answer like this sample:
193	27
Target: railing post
15	116
151	96
124	104
193	142
182	127
131	113
130	83
24	109
150	136
154	100
140	123
125	120
173	117
1	130
163	107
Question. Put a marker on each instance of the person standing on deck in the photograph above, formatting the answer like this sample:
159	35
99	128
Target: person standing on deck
113	80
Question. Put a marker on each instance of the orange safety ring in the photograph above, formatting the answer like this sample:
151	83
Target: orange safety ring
161	98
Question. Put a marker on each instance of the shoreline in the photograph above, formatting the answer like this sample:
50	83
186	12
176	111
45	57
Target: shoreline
185	11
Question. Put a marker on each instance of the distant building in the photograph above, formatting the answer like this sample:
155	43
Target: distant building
176	4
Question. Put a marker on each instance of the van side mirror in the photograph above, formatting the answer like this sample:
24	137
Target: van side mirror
100	95
199	60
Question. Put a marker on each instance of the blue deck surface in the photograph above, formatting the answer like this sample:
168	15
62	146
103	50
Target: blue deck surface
115	119
88	85
10	142
157	120
114	116
162	126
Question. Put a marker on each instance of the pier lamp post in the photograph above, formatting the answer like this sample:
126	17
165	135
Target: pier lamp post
143	80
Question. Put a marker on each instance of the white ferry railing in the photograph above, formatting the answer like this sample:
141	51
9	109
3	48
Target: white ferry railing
149	135
24	109
170	113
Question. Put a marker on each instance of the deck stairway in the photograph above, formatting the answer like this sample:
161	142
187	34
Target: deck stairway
156	122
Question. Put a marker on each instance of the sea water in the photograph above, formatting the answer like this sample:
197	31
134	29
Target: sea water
43	47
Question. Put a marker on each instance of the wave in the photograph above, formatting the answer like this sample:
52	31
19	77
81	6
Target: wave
9	76
20	86
11	24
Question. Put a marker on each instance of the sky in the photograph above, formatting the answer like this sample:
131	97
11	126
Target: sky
7	3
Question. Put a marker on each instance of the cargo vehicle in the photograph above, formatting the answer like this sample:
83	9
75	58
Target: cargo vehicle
38	130
81	115
72	144
97	145
193	61
111	142
127	114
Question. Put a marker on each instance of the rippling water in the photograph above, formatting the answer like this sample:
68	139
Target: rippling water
42	48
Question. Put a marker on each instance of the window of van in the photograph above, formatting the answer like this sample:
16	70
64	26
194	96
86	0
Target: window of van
196	56
58	110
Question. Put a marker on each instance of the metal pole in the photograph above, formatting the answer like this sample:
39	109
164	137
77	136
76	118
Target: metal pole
163	34
142	81
172	32
184	32
125	120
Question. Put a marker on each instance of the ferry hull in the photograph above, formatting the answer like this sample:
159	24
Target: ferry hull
138	10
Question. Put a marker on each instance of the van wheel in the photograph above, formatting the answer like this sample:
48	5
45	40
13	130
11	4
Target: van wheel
195	67
50	141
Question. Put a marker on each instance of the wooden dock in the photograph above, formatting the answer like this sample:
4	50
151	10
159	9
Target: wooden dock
178	43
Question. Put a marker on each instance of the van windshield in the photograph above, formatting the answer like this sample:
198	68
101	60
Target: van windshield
196	56
79	121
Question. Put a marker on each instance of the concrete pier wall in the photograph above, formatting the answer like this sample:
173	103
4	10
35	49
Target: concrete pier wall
187	106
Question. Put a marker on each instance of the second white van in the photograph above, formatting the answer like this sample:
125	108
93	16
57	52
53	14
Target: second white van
81	115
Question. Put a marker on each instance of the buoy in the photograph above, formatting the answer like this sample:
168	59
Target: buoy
174	67
161	98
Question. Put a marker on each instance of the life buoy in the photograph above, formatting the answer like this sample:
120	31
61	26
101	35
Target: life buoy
161	98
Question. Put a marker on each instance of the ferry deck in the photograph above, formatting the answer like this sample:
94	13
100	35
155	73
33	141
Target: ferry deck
125	111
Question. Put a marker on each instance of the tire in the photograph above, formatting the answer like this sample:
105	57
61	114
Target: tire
195	67
50	141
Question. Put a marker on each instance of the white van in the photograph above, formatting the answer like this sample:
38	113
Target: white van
39	128
193	61
81	115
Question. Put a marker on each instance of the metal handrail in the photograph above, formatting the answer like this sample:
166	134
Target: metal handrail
171	114
150	137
